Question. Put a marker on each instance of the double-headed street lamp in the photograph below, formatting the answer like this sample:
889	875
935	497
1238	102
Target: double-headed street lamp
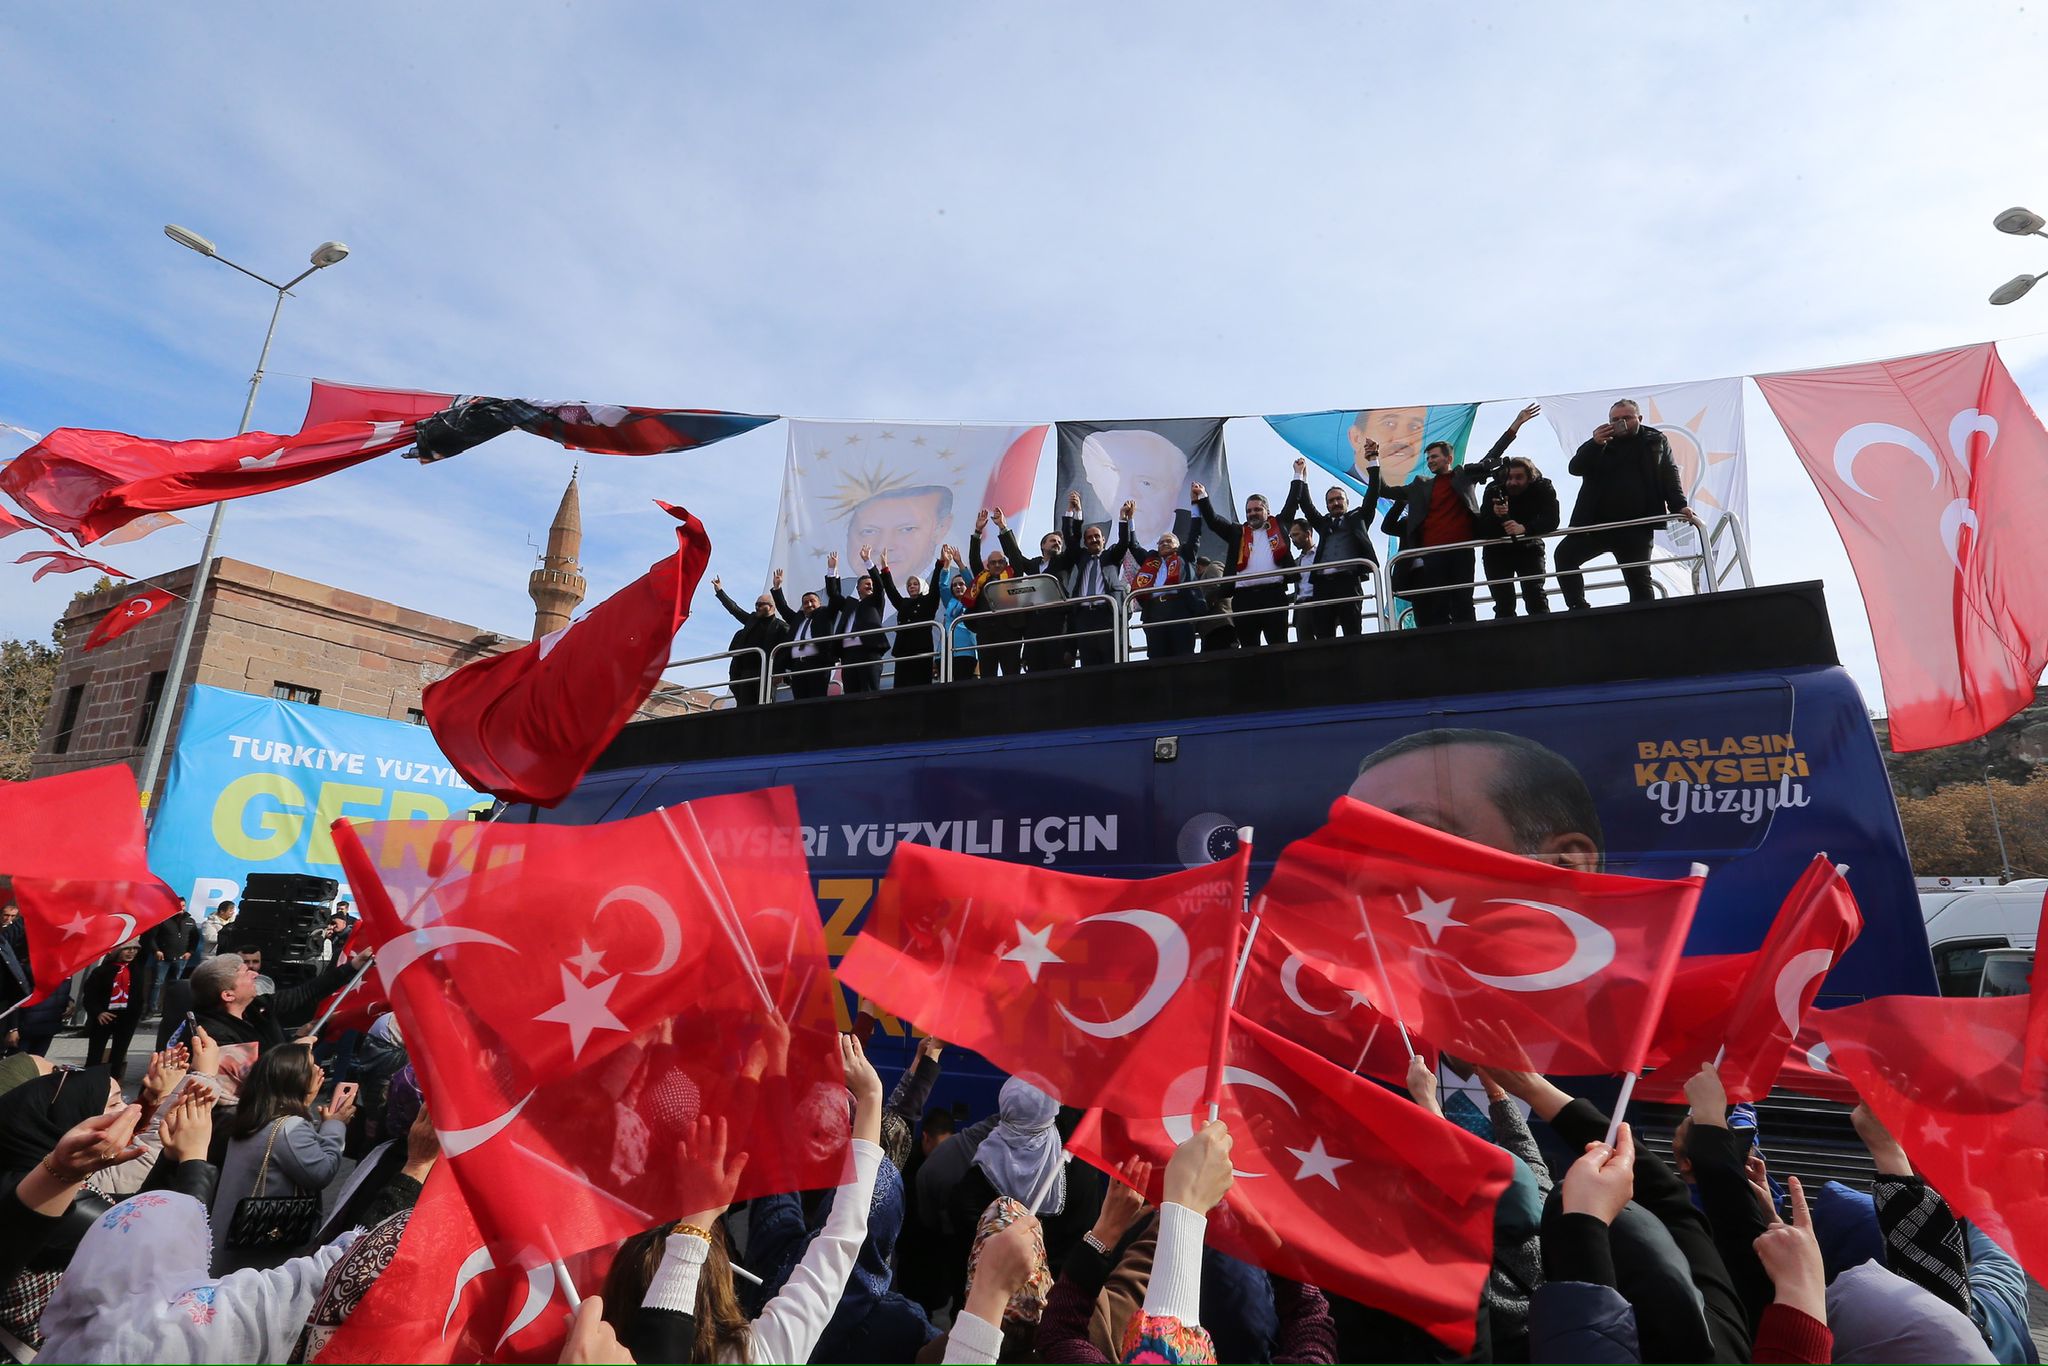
324	255
2020	223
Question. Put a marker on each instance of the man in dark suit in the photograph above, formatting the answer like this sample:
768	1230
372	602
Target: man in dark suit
760	630
810	658
1042	628
1342	533
1625	472
860	659
1088	568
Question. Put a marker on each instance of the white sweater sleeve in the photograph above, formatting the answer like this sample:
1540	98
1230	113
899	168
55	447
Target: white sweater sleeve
789	1328
1175	1290
973	1341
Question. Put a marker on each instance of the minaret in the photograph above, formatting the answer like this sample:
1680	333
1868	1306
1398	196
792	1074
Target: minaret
557	586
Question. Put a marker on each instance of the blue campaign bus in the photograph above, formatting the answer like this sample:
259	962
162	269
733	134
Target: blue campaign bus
1718	729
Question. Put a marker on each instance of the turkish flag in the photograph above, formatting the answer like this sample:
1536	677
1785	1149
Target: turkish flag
574	996
1936	473
1809	1069
526	726
1325	1007
1493	957
9	524
88	483
147	524
131	613
73	846
65	562
1948	1077
333	402
448	1297
1100	990
1752	1035
1340	1183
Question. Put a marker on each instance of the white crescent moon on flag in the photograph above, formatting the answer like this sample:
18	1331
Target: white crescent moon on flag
540	1288
127	926
1592	950
1172	970
1817	1058
1290	982
1864	435
473	1266
664	917
401	953
1186	1090
1954	518
456	1142
1793	980
1965	425
139	607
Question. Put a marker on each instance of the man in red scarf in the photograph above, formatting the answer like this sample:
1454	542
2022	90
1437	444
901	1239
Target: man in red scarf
1164	604
1442	508
1256	550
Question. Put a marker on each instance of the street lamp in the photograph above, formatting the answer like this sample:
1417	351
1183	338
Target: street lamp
323	256
2004	863
2019	223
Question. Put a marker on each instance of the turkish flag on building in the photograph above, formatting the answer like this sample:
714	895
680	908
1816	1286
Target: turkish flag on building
526	726
1947	1075
65	562
1495	958
1936	473
1340	1184
1752	1035
132	612
448	1297
1100	990
575	996
1325	1007
73	846
88	483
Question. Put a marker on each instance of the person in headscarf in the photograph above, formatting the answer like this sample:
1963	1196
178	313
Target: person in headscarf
33	1118
138	1290
348	1280
1023	1159
1877	1315
875	1321
17	1069
1017	1319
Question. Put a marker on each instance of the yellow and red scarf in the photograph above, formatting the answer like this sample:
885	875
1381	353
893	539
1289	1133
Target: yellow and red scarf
1273	538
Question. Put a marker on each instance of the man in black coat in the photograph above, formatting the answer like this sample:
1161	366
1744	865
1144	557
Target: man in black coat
810	658
227	1007
1253	551
916	646
1089	568
759	630
860	659
1342	533
1042	628
166	953
113	995
1521	504
1625	471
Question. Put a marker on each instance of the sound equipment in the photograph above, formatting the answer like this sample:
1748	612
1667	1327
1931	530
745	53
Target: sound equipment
289	887
288	932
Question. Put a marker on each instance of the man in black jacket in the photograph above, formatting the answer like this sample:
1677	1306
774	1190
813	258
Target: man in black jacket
916	646
1254	550
860	659
166	953
1442	508
113	996
1522	504
225	1003
759	630
1343	533
997	631
1088	568
1625	471
810	658
1041	628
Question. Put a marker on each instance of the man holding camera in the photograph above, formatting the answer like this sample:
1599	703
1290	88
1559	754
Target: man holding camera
1625	472
1520	504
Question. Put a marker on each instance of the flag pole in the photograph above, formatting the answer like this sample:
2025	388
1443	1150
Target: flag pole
1045	1184
342	995
1628	1087
1652	1010
11	1009
1380	966
721	901
1212	1089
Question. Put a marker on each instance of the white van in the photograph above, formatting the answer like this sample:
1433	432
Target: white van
1966	923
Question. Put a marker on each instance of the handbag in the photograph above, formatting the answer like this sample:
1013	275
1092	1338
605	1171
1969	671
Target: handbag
273	1221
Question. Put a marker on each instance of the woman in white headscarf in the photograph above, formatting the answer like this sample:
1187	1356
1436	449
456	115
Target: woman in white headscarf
138	1291
1023	1159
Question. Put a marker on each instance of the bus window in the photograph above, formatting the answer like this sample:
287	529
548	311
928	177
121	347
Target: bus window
1959	964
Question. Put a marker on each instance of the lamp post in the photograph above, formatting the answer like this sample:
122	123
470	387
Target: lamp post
2004	863
324	255
2019	223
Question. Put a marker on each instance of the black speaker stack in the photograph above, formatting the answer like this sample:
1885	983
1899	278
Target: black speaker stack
285	915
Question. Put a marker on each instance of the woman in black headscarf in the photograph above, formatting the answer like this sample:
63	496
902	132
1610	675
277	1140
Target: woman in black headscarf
33	1117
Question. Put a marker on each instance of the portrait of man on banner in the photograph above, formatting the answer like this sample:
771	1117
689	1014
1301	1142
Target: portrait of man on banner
1335	439
1150	464
904	489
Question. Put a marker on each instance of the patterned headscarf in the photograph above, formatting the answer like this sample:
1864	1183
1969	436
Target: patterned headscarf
1028	1303
1157	1338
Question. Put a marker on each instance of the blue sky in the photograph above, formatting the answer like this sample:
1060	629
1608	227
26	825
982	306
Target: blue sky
958	211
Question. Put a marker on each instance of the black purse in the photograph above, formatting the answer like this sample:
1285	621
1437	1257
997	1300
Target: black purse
273	1221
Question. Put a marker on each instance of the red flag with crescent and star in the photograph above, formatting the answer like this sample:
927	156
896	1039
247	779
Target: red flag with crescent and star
1100	990
1753	1033
575	996
1326	1008
73	846
1935	470
1494	958
527	725
1341	1183
131	613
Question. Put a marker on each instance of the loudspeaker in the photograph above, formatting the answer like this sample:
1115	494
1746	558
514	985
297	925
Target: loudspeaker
288	932
289	887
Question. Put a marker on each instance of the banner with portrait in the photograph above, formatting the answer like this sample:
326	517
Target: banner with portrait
1336	437
907	488
1150	463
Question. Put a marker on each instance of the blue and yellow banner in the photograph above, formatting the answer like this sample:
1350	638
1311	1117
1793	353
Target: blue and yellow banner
256	785
1335	437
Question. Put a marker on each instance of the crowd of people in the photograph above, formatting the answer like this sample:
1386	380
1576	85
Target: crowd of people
207	1223
1302	571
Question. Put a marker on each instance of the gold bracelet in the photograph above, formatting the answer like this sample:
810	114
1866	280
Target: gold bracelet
50	1166
690	1231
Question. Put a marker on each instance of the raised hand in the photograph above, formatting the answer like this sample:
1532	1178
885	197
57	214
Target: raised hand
1300	468
205	1053
866	1085
187	1127
166	1070
1791	1255
775	580
885	558
1603	1179
717	584
981	521
1002	524
1007	1262
105	1140
1198	492
1708	1098
867	554
832	563
1199	1175
709	1174
1422	1085
1074	501
1124	1201
1372	451
1128	510
1522	417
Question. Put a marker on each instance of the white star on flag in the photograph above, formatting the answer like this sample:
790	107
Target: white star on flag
584	1009
1434	914
1316	1161
1934	1131
587	962
75	926
1359	998
1032	950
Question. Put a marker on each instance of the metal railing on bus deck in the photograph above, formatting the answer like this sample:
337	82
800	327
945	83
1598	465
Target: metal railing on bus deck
1113	601
1369	574
1738	563
786	651
1701	566
720	686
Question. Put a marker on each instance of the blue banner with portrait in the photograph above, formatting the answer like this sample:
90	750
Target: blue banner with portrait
1335	438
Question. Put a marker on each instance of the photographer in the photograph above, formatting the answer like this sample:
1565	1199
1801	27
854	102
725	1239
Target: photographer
1523	504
